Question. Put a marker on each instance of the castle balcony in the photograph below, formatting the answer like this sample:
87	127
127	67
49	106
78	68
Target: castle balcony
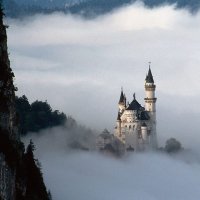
150	87
149	100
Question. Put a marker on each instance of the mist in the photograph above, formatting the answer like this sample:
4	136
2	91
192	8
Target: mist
91	176
79	66
83	175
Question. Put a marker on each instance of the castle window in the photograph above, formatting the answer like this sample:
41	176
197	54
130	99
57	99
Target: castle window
130	127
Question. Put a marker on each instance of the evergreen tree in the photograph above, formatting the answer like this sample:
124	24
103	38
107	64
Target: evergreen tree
49	195
35	185
172	145
36	116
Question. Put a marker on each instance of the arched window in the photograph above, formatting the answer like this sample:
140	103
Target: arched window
129	127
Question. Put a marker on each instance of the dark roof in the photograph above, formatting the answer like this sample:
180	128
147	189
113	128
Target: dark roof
134	105
121	99
144	115
141	113
149	77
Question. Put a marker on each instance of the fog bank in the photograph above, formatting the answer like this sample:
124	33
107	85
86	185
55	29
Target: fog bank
91	176
85	175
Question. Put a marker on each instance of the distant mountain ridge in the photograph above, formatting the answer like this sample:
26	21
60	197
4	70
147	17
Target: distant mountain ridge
18	8
47	3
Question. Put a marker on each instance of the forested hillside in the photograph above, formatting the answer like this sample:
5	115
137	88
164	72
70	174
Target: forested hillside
96	7
37	115
20	8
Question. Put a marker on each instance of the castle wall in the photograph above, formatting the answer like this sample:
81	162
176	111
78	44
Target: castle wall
153	136
150	106
150	94
131	139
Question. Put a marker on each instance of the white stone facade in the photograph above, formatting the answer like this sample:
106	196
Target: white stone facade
136	125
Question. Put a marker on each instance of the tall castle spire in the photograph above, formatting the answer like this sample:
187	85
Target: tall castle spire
122	101
149	77
150	104
150	88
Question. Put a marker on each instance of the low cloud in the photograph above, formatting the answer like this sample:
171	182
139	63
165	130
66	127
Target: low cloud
85	175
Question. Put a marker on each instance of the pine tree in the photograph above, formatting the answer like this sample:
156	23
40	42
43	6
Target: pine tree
35	185
49	195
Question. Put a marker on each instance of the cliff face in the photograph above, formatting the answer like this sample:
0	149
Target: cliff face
8	122
16	171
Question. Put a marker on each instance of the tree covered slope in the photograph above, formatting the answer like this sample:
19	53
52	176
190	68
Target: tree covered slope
19	8
37	115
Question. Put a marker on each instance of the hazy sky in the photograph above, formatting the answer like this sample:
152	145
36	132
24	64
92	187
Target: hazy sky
80	65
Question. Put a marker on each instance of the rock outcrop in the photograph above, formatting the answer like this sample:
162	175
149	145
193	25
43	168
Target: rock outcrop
16	171
8	119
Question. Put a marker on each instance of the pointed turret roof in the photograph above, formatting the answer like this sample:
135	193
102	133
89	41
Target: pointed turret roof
122	97
144	115
149	77
134	105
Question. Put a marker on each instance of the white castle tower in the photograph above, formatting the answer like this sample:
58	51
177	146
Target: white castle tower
150	105
136	125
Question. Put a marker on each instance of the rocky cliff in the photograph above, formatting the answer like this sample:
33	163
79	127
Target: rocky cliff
16	171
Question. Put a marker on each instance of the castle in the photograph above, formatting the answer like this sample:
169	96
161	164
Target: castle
136	125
